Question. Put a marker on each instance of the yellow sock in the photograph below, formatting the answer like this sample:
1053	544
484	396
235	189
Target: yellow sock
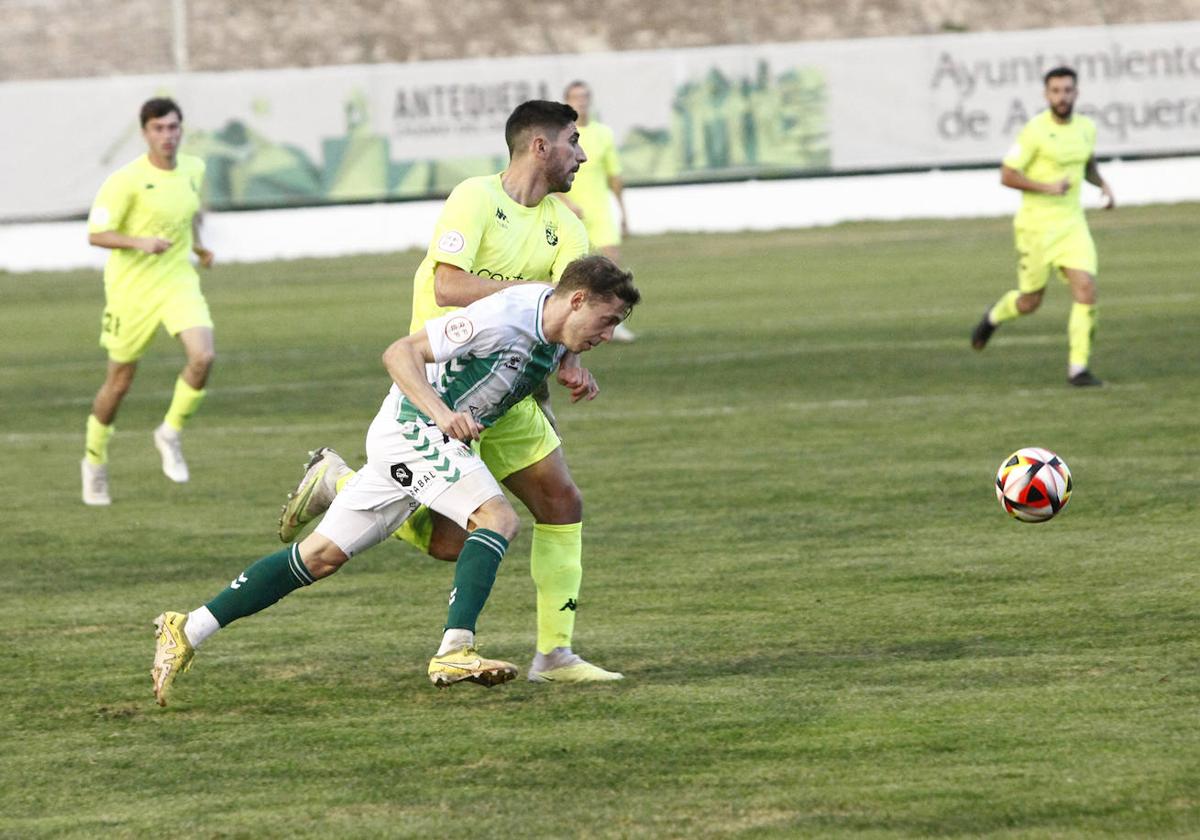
97	441
556	565
1081	328
183	405
1005	308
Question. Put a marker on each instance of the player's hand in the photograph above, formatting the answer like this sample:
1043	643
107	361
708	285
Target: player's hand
580	382
153	245
461	425
206	257
1060	187
1109	201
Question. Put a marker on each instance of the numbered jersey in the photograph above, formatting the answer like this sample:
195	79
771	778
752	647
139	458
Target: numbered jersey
489	355
139	199
483	231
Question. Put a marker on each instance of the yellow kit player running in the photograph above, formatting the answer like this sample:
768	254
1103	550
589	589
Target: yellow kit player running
493	231
597	183
147	212
1053	155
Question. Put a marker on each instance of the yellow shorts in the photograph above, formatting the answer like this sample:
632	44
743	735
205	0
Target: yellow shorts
602	230
1046	248
519	439
129	321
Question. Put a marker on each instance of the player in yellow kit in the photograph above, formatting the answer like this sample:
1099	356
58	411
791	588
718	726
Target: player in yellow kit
493	231
148	213
597	183
1053	155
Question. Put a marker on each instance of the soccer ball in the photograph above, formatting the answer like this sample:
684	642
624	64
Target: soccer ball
1033	484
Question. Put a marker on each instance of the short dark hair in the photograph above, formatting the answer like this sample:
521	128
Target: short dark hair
598	275
160	106
536	114
1060	73
577	83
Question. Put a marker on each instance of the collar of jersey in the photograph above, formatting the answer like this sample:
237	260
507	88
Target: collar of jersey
541	310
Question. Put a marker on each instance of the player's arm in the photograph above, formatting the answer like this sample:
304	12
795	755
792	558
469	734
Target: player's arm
405	361
452	286
1091	174
1017	180
205	255
578	379
115	239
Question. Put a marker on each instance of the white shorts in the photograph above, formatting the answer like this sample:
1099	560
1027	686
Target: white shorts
354	531
412	460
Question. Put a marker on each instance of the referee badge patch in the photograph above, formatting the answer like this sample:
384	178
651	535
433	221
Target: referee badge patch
459	329
451	242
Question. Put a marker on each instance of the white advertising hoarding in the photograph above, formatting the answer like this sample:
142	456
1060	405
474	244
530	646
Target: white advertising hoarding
378	132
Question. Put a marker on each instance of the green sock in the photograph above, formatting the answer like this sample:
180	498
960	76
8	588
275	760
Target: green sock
260	586
1005	308
556	565
474	575
1081	329
183	405
96	445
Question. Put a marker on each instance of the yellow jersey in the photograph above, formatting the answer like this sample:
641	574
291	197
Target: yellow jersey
590	189
483	231
139	199
1049	151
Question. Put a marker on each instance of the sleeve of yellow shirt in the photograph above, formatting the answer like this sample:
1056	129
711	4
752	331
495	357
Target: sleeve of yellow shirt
1022	151
111	204
573	241
459	229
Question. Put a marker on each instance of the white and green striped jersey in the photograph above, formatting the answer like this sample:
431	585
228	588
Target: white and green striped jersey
489	356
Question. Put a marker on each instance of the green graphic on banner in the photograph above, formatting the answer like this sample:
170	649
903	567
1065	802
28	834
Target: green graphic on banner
730	126
717	127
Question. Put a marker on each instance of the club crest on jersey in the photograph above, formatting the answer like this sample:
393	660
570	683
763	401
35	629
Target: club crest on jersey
402	474
551	234
459	329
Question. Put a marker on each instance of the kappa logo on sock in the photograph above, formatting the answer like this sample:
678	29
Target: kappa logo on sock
237	584
570	605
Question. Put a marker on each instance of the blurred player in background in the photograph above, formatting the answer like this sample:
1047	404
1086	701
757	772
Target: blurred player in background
148	213
495	230
488	356
1053	155
598	179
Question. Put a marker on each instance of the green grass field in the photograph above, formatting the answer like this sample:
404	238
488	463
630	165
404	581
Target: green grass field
793	551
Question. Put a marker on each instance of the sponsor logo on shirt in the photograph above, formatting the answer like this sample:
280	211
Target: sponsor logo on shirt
501	218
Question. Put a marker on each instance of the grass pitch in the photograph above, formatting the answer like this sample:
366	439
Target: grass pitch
792	550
